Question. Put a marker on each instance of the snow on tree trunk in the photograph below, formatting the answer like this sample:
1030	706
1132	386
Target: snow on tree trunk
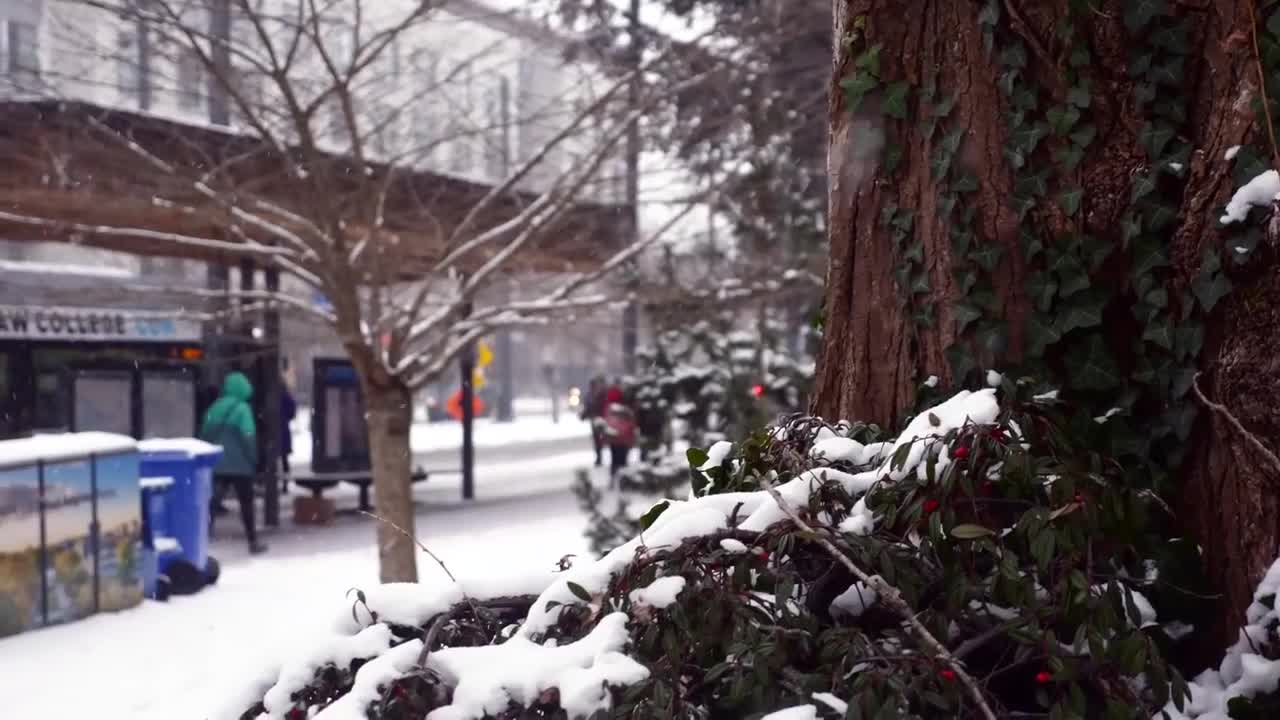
390	416
875	358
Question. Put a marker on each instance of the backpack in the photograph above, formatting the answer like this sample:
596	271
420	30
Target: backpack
620	426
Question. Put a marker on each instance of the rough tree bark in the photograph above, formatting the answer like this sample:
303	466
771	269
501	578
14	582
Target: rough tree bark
874	358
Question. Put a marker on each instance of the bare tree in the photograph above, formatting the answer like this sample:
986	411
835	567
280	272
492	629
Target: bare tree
339	105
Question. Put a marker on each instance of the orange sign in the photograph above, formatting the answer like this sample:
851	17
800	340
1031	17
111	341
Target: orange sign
453	405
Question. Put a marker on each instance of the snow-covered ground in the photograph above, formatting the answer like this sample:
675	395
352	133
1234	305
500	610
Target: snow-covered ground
447	435
178	659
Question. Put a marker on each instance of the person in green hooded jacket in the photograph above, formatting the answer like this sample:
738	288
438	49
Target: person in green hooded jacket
229	423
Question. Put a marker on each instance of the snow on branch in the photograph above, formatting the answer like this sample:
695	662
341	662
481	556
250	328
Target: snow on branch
527	665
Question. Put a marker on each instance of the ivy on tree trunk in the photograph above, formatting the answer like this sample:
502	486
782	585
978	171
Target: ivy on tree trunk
1037	186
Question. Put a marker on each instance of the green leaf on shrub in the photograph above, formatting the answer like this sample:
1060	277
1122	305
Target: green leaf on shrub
652	514
579	592
856	88
869	60
970	532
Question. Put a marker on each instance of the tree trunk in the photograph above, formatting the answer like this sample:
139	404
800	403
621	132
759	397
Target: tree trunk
390	416
875	357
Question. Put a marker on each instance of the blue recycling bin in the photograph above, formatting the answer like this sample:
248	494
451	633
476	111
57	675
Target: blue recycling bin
159	547
179	508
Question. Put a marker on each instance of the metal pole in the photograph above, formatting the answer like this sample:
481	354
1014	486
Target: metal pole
271	396
506	389
467	364
631	314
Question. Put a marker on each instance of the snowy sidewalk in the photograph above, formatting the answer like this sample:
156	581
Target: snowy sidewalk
443	436
180	659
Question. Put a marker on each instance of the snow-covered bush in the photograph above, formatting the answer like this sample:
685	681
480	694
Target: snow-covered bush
697	386
989	561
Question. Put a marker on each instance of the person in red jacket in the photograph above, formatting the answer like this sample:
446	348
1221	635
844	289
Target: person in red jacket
620	430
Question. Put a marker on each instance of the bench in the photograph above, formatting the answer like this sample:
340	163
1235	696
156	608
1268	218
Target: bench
320	482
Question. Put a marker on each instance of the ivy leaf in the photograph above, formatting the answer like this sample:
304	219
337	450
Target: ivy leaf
1014	56
892	158
1188	339
646	520
1092	368
951	141
1143	185
920	283
1069	157
870	60
1160	333
1083	312
960	360
1139	63
966	183
856	88
1209	289
1072	278
895	100
987	256
1069	201
990	13
1144	93
1027	137
991	338
1139	13
1130	227
1062	118
579	592
966	279
1210	262
1172	38
1167	73
964	314
943	108
914	252
1040	334
904	219
1042	288
1032	184
971	532
1159	216
1079	95
1084	135
1154	138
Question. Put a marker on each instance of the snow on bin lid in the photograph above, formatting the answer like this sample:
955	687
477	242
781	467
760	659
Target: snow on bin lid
62	447
191	447
155	482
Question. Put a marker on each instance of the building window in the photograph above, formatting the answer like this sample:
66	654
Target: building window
128	65
495	160
190	81
24	53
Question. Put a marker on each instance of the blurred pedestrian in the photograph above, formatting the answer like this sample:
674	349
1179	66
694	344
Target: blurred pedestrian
620	431
288	411
593	407
229	424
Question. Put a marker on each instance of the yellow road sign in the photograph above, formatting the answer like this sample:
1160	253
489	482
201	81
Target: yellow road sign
484	355
477	379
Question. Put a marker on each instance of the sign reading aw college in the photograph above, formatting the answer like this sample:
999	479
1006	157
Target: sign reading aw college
93	325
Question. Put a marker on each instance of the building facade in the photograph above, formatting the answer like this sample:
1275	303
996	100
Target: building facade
469	93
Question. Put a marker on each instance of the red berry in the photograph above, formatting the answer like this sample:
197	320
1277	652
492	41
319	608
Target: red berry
1044	677
1079	498
961	452
948	675
930	505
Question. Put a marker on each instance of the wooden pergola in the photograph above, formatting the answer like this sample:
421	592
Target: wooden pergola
70	164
